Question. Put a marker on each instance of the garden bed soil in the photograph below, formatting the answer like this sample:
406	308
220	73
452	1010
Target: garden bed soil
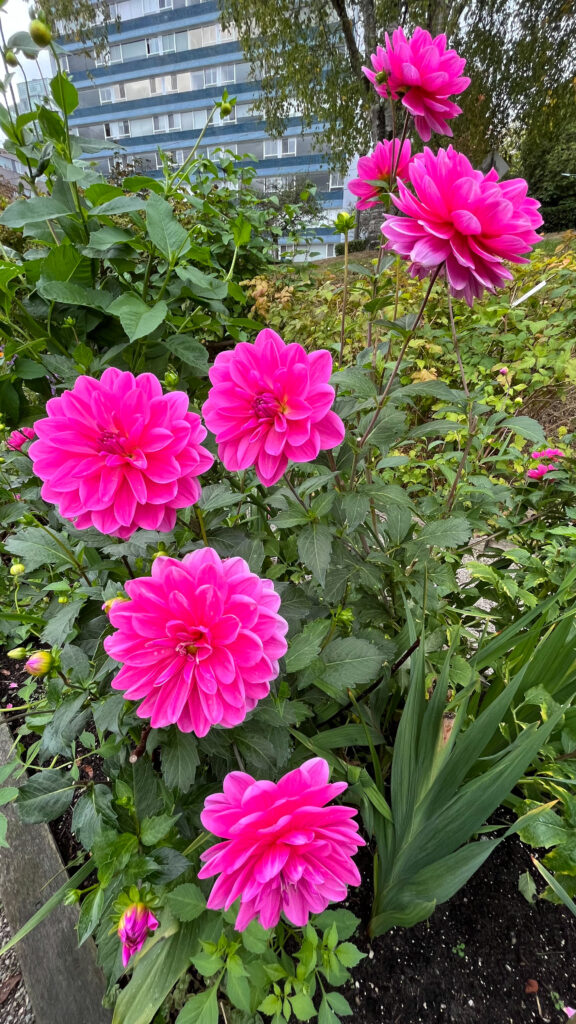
469	964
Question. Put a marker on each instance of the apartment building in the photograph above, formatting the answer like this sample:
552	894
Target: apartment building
166	63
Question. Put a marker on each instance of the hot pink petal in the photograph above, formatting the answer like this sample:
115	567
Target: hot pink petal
199	642
271	403
117	454
461	223
286	848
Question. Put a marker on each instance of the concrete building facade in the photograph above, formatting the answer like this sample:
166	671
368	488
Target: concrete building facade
167	62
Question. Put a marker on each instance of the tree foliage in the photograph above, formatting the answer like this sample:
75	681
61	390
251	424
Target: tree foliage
309	58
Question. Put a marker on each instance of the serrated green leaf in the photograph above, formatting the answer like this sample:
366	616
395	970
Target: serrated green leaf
302	1006
446	533
138	319
179	759
164	231
304	647
45	796
350	662
186	902
314	548
152	830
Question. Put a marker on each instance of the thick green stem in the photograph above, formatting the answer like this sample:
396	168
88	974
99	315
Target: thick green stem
344	300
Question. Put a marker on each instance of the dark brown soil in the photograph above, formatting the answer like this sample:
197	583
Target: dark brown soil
469	964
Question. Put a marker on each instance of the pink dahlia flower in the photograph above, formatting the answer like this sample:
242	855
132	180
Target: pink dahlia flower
134	927
270	405
424	74
548	453
18	438
200	641
284	849
540	470
461	222
378	171
117	454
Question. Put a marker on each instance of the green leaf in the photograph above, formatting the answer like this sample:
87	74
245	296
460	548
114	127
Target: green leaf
238	990
345	921
555	885
527	886
314	548
201	1009
71	294
544	828
255	938
155	974
350	662
90	913
32	211
526	427
241	230
356	508
446	533
65	263
7	794
338	1003
190	351
122	204
186	902
65	94
67	723
348	955
152	830
306	645
107	237
45	796
138	319
204	286
302	1006
60	625
112	852
325	1014
164	231
207	963
179	759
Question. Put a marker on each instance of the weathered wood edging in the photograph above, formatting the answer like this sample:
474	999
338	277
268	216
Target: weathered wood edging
64	982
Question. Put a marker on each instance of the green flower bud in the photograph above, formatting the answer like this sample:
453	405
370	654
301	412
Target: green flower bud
17	569
40	32
18	653
225	109
11	59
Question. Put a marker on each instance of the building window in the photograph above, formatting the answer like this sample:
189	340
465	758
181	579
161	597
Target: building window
65	62
123	128
169	43
287	147
336	180
228	73
210	77
107	130
165	5
270	148
153	45
106	95
209	35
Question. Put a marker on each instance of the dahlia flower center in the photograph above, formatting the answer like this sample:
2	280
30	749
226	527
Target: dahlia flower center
111	442
267	406
197	638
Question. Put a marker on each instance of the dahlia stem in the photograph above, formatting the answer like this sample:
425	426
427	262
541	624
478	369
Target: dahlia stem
455	342
199	841
344	300
398	362
202	525
459	471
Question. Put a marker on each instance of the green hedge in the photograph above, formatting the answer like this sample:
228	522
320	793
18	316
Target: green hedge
354	245
561	217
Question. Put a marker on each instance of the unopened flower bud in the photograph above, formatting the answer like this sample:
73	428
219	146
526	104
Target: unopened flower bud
504	371
40	33
111	602
11	59
17	569
18	653
72	897
134	927
39	663
63	599
225	109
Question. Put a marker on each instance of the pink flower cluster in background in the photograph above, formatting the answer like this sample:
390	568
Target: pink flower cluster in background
423	74
270	404
378	171
134	927
461	223
199	640
118	454
544	467
19	437
284	850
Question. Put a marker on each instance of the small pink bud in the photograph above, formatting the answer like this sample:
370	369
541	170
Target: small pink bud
109	604
504	371
569	1011
18	438
134	927
39	663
